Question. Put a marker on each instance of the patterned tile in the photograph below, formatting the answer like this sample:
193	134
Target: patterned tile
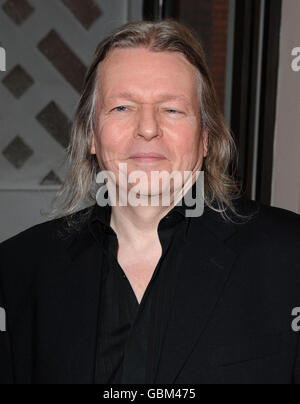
18	10
17	152
59	72
51	179
56	123
87	11
63	58
18	81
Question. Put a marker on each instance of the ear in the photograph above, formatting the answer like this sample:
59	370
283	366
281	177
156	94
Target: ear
92	146
205	142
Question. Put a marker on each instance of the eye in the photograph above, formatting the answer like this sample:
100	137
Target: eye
173	111
120	109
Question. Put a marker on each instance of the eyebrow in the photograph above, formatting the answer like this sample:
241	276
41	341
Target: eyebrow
163	97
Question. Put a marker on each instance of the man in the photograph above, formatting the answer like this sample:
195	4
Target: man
146	293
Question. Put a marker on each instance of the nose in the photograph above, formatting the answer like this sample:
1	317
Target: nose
148	126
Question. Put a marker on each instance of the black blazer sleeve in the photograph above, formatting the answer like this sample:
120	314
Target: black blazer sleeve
18	257
6	364
296	375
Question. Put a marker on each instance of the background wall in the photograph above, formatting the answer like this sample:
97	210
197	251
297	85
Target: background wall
49	45
286	171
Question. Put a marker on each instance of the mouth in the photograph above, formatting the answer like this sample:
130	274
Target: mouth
147	157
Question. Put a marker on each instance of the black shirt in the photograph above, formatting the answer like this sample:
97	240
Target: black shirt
125	347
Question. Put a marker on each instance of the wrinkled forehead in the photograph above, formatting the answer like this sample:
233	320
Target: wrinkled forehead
129	73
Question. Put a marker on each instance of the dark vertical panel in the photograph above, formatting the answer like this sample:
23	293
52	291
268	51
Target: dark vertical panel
219	46
268	99
245	92
151	10
198	15
245	85
209	20
172	9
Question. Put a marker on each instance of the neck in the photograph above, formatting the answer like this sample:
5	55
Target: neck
137	225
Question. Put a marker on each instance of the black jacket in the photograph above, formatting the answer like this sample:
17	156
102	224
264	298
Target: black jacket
230	320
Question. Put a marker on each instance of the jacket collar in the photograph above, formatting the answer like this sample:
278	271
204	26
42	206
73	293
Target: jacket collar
103	214
95	214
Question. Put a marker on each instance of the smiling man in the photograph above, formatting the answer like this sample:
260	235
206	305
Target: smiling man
145	293
150	120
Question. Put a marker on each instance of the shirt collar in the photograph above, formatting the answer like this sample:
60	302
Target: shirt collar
103	213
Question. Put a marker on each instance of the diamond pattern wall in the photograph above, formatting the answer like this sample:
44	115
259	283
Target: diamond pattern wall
86	12
49	45
17	152
18	81
18	10
55	122
63	59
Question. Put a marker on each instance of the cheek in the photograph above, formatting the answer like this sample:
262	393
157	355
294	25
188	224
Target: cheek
187	141
112	146
112	136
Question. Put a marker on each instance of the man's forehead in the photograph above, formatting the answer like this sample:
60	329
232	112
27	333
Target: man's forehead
162	96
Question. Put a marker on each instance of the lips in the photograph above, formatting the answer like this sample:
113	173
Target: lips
147	156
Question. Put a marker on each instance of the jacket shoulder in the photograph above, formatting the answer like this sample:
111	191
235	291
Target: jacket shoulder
269	228
277	222
43	236
22	254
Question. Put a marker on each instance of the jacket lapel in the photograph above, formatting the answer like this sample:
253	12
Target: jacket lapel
73	295
203	269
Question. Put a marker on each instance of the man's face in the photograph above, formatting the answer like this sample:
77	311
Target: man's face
148	103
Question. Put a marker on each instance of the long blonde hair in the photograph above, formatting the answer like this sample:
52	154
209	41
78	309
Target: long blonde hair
80	185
